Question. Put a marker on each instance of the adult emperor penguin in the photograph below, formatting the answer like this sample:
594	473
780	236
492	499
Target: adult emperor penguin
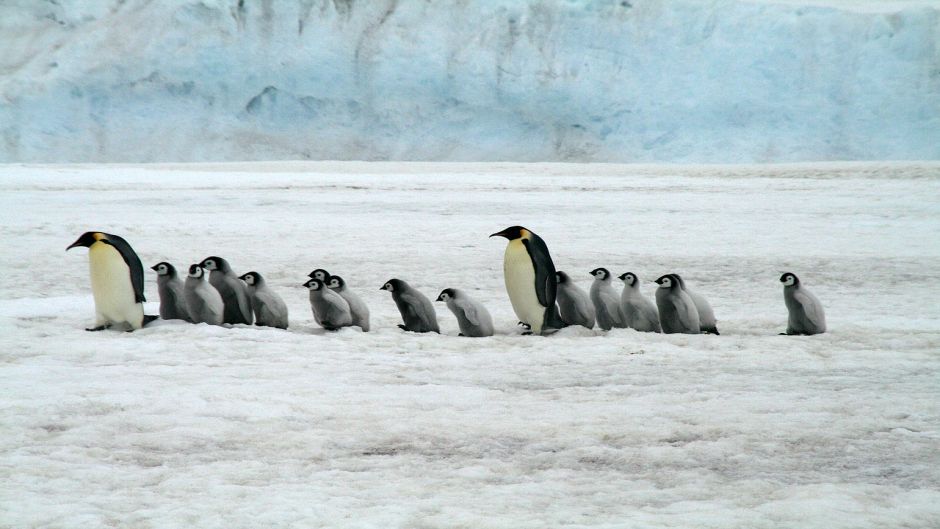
416	309
638	311
606	301
472	317
677	312
117	281
233	290
203	301
574	305
268	307
357	307
530	280
170	288
706	315
330	310
806	312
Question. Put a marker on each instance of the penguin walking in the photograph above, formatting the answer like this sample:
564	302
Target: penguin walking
530	280
574	305
117	281
677	312
706	315
357	307
472	317
170	287
268	307
234	292
330	310
638	311
416	309
806	314
203	302
606	301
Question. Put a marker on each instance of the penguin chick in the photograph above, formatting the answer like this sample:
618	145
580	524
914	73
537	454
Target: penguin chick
806	314
574	305
170	287
330	310
357	307
472	317
706	315
233	290
416	310
268	307
677	312
606	301
203	302
638	311
320	274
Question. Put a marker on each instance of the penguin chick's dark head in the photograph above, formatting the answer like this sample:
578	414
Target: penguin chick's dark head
789	279
251	278
561	277
88	238
196	271
629	278
320	274
601	273
678	279
512	233
314	284
667	281
164	268
215	263
446	294
394	285
336	282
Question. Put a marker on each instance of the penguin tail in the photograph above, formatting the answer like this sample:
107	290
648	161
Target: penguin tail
553	321
148	318
711	330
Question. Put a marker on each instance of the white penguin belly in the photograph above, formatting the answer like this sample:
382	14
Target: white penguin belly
111	286
520	284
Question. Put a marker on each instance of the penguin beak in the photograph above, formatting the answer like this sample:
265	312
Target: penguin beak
500	234
440	298
154	268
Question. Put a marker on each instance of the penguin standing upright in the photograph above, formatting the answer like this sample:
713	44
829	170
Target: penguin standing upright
117	281
357	307
677	312
417	311
170	288
268	307
203	302
330	310
472	317
530	280
574	305
638	312
234	292
806	314
606	302
706	315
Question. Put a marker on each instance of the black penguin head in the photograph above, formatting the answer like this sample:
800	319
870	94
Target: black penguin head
197	271
628	278
314	284
446	294
215	263
394	285
251	278
164	268
667	281
512	233
561	277
789	279
336	282
320	274
88	238
601	273
676	278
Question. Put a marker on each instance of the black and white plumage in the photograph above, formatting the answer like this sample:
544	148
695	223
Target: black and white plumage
529	273
117	281
234	292
170	287
606	300
472	317
574	305
638	311
203	302
357	307
268	307
677	312
416	309
706	315
806	314
320	274
330	310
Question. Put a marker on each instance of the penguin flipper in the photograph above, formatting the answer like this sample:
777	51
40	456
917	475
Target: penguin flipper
546	287
133	264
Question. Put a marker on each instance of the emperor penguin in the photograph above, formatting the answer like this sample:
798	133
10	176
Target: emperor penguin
357	307
574	305
806	312
330	310
677	312
706	315
268	307
530	280
203	301
117	281
170	288
234	292
472	317
416	309
638	311
320	274
606	301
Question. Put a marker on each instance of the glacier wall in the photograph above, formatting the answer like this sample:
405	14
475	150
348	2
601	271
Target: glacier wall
525	80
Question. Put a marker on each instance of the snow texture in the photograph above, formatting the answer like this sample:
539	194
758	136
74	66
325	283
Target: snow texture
532	80
180	425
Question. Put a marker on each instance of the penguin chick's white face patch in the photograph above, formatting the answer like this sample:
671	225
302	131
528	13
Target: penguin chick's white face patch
666	283
250	279
388	286
334	283
789	280
196	272
161	270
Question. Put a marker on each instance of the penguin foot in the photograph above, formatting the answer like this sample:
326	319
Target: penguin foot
460	334
99	328
524	325
527	333
403	327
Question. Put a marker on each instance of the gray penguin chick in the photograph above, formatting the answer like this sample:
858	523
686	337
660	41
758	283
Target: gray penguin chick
203	302
574	305
330	310
677	312
416	309
357	307
234	292
170	287
472	317
638	311
606	301
706	316
806	312
269	309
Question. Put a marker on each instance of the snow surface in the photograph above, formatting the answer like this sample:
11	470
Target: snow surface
182	425
532	80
